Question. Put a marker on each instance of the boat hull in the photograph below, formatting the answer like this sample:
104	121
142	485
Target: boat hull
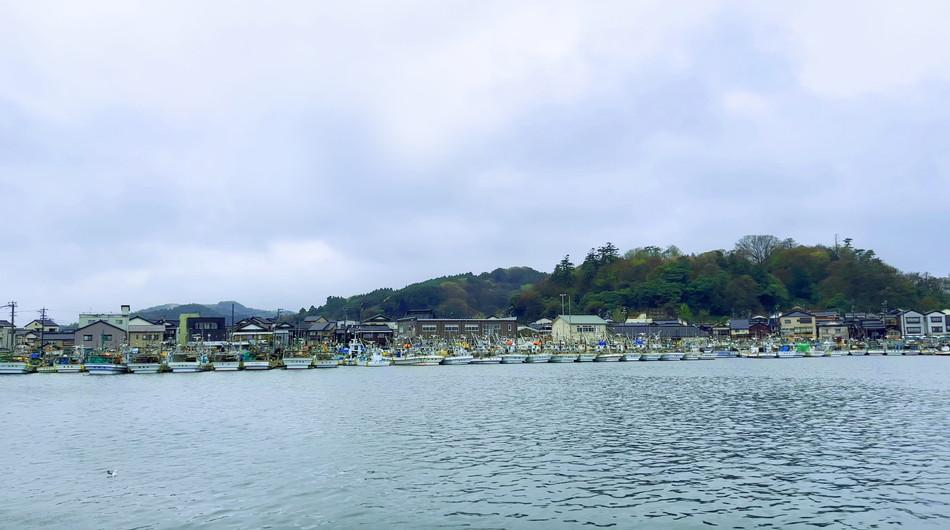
298	363
227	366
258	365
537	358
563	358
608	358
145	368
70	368
586	357
188	367
326	363
512	359
107	369
16	368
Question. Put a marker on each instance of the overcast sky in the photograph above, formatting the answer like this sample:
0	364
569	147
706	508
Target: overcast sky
275	153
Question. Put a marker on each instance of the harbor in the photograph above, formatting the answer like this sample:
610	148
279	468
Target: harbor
840	442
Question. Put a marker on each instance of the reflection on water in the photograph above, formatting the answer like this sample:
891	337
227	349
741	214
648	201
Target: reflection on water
738	443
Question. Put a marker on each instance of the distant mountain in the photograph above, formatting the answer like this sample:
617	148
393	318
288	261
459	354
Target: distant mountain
220	309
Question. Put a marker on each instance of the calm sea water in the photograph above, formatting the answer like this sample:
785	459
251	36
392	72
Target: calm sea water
732	443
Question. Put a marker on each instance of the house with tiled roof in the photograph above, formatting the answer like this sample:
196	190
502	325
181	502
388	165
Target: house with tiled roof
798	324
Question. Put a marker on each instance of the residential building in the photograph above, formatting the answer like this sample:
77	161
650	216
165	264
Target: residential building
834	331
100	335
46	326
119	320
798	324
748	329
912	324
143	332
7	336
58	340
936	324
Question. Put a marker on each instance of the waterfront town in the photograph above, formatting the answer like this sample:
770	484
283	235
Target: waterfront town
111	331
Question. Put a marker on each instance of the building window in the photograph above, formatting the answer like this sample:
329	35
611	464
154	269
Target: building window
913	320
936	319
87	338
471	327
913	330
494	327
106	338
452	328
937	329
428	327
788	321
586	328
509	327
804	320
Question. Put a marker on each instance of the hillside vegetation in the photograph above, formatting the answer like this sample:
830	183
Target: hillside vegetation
761	275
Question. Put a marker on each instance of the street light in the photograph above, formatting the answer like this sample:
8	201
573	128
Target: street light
562	303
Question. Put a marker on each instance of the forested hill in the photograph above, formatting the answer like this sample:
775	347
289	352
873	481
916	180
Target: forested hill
761	275
462	296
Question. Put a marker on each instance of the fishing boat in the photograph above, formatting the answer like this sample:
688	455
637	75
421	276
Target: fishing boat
672	355
650	356
608	357
71	363
257	358
692	355
189	361
630	356
325	359
377	359
228	360
563	357
537	357
297	359
147	361
707	355
459	355
106	363
16	364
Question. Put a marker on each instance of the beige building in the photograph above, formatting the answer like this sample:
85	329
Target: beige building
578	328
798	324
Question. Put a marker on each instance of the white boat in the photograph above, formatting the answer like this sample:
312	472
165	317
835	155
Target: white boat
513	358
69	368
630	356
563	357
489	359
608	357
426	359
106	364
457	359
189	362
708	356
146	362
691	356
296	361
15	364
537	358
377	359
672	356
650	356
586	357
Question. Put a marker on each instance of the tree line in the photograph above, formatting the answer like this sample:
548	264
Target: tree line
762	274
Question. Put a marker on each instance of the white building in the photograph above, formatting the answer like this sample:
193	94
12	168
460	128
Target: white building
936	323
119	320
912	324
